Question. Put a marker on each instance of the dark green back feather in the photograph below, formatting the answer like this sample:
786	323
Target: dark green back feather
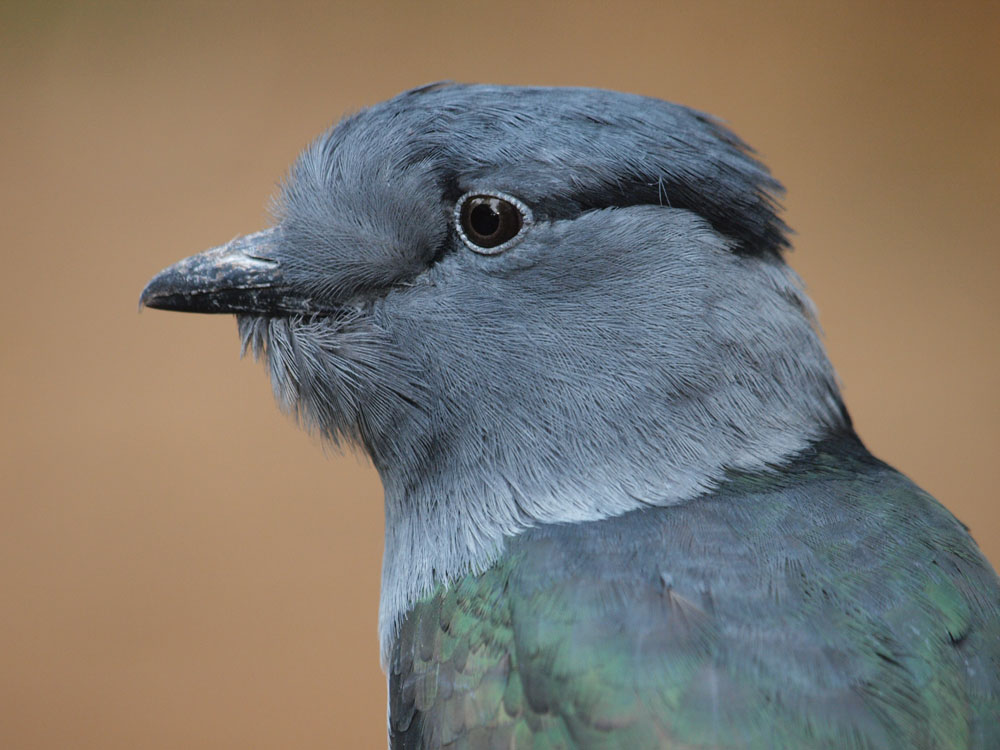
829	604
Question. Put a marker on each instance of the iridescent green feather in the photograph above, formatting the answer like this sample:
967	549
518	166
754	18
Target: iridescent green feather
829	605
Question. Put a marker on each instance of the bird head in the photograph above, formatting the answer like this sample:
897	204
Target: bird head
528	305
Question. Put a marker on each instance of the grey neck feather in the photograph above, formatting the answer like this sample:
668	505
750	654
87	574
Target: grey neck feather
591	410
770	392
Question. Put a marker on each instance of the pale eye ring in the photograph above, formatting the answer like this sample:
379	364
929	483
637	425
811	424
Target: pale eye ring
490	223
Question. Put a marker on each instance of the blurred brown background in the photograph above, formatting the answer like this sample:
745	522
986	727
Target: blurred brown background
181	567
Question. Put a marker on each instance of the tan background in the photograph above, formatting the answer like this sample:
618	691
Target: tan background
179	566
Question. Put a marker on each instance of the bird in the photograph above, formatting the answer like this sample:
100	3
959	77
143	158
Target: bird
625	505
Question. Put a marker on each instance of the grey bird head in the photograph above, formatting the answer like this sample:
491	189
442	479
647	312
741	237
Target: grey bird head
527	305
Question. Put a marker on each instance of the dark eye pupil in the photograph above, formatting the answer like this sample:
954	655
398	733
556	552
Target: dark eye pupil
485	220
489	221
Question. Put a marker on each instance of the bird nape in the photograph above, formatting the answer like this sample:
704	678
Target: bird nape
624	504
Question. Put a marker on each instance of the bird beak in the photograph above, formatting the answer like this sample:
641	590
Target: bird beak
241	276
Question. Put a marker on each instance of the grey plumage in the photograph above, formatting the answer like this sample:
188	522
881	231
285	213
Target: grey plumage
658	352
642	343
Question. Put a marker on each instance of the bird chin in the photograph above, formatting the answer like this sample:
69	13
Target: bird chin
309	368
326	370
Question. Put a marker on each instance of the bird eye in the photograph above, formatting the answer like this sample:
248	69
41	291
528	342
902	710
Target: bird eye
489	223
